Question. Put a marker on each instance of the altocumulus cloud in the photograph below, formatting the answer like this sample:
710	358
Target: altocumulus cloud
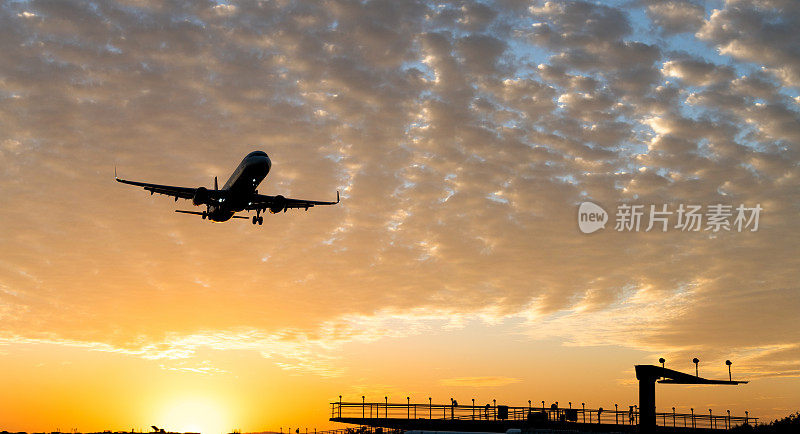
462	136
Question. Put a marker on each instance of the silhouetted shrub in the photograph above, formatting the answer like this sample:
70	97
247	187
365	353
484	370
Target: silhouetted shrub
789	424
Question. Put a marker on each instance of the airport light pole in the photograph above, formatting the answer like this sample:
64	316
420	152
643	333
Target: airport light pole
386	407
673	417
696	361
430	408
408	406
362	407
729	363
452	408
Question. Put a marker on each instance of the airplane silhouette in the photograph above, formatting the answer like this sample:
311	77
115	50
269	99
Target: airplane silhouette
238	194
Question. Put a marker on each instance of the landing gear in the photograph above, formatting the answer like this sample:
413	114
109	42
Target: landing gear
205	214
257	219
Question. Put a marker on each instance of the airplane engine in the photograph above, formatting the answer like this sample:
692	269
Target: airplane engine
201	196
278	205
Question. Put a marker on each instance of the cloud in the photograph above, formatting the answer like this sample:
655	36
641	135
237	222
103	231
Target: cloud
480	53
462	140
760	32
225	9
204	367
697	72
676	16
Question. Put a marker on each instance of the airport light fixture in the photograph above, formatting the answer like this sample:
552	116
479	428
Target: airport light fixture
673	417
696	369
729	363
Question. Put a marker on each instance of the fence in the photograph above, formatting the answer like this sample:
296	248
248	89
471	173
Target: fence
553	413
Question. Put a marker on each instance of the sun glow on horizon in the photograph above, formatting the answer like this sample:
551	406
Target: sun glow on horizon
197	414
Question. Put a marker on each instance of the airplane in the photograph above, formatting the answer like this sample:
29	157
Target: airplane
238	194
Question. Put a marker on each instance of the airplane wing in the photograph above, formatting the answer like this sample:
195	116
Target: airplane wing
279	203
169	190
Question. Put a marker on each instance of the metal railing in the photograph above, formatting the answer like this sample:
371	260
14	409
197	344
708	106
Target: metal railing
359	430
553	413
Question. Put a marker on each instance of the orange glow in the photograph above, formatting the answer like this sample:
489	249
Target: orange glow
195	414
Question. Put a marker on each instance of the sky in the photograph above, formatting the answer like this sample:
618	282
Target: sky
463	136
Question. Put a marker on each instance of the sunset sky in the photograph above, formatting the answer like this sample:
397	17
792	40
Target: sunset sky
462	137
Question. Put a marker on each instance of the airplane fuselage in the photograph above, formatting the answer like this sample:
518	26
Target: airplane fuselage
233	196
